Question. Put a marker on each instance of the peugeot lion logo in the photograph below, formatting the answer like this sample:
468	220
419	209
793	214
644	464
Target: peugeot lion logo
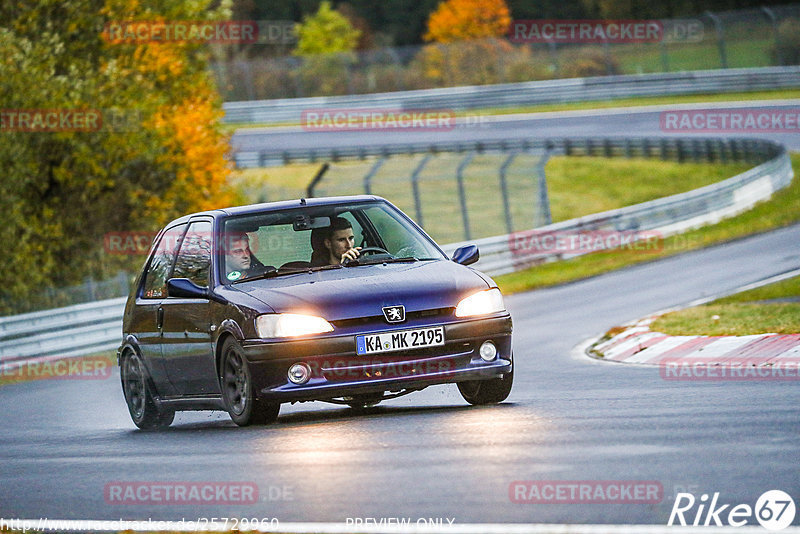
394	314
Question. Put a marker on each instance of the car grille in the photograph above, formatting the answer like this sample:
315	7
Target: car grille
380	320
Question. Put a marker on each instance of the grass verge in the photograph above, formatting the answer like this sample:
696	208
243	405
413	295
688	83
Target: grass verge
781	210
758	311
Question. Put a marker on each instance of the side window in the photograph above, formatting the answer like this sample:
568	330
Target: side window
155	282
194	256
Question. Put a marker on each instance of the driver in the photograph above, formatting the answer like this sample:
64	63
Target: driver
338	243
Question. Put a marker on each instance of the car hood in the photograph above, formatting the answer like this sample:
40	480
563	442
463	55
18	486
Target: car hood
362	291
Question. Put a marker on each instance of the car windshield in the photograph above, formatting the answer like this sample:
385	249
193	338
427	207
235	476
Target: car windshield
275	243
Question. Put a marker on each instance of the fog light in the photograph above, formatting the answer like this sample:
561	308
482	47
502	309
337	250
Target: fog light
488	351
299	373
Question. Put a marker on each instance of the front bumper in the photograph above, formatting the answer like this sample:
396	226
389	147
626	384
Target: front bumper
338	371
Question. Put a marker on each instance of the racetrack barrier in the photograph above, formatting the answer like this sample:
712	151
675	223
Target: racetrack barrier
508	95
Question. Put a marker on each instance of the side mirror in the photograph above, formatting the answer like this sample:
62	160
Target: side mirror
185	288
466	255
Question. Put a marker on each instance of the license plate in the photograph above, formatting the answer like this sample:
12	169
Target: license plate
401	340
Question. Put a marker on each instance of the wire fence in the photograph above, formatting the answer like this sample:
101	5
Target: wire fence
472	194
453	196
743	38
89	291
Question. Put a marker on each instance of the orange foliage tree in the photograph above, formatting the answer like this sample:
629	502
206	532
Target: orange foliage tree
467	49
458	20
63	191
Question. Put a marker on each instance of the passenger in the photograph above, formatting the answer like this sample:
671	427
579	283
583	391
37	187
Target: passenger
239	259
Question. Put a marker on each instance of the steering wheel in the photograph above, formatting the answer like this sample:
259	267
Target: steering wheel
373	250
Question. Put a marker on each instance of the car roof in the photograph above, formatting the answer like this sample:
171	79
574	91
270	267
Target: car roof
277	206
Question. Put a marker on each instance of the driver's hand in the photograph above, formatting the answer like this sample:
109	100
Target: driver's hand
351	254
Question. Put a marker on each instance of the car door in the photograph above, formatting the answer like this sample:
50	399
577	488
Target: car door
146	321
186	345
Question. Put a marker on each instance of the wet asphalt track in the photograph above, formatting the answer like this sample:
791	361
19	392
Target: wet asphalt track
643	122
429	455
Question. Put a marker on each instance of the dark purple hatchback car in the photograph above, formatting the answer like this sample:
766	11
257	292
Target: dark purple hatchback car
241	310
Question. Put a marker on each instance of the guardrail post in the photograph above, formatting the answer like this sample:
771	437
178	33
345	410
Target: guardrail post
554	55
89	286
723	150
122	280
415	187
504	190
774	21
317	178
544	200
718	27
462	196
680	152
709	150
627	145
664	56
373	170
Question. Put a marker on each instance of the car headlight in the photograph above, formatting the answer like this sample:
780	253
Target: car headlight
290	325
481	303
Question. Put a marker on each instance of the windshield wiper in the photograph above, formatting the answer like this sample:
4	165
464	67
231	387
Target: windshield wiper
286	271
404	259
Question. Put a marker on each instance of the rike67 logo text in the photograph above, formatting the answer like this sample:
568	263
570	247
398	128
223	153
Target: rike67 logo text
774	510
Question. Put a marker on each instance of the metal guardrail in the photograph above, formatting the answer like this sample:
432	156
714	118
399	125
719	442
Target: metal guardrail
70	331
93	327
524	93
666	216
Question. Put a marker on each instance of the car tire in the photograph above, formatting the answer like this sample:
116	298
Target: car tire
489	391
138	397
236	383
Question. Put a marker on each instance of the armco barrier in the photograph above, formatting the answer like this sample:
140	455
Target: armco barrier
70	331
94	327
673	148
524	93
666	216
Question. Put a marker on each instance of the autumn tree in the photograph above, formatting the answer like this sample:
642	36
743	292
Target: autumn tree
468	47
325	32
325	40
458	20
62	191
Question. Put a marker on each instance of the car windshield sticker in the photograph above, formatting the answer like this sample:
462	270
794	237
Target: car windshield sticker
234	275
